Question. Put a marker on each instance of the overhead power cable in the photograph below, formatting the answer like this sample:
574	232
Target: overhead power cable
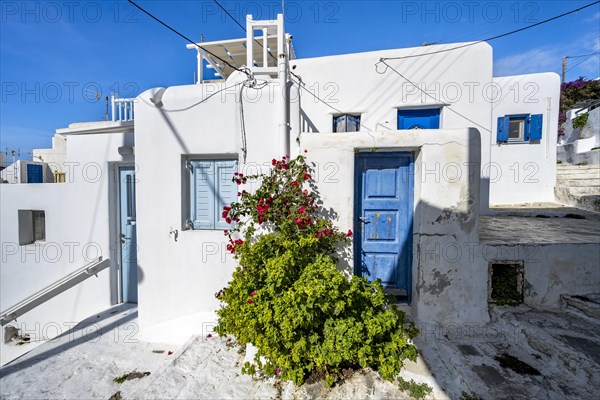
495	37
244	29
433	97
186	38
585	55
581	62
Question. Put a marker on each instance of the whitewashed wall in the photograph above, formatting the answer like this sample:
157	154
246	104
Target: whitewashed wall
525	172
446	287
77	231
461	80
181	277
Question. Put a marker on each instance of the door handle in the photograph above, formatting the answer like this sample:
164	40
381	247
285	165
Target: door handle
123	237
363	220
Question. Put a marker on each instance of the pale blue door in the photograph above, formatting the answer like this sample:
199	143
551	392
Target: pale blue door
129	281
383	225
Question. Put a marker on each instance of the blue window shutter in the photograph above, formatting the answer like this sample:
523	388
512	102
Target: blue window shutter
502	132
226	190
534	127
202	191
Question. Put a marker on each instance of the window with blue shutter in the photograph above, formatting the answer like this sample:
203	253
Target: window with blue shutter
535	127
211	188
502	131
521	128
226	190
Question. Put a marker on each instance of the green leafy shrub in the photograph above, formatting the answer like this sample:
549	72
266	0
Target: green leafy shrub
580	121
287	297
415	390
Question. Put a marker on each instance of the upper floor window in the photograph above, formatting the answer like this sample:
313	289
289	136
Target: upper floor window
346	123
423	118
519	128
32	226
211	188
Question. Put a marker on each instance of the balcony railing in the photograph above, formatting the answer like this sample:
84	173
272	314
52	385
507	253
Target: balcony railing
122	108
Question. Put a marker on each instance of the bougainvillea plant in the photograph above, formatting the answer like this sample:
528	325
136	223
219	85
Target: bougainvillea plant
287	296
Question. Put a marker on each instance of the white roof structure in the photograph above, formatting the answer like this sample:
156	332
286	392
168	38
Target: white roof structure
234	52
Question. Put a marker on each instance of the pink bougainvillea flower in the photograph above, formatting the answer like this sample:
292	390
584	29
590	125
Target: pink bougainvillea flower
306	151
250	301
349	234
301	210
209	335
277	371
307	177
253	293
294	183
228	220
224	214
273	161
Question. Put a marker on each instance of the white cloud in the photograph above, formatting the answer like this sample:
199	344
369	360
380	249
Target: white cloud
531	61
593	18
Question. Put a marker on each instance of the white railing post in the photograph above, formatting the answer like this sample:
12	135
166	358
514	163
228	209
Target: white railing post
112	106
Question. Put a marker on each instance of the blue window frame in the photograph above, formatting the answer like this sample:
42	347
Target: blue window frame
519	128
211	188
425	118
346	123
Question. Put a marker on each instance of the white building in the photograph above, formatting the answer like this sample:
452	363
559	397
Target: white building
435	114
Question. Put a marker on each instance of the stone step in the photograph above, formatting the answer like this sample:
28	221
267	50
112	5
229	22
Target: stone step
582	190
588	305
578	183
561	167
564	340
570	196
591	175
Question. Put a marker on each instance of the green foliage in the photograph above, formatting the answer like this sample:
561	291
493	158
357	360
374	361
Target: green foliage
288	298
580	121
415	390
505	286
468	396
575	92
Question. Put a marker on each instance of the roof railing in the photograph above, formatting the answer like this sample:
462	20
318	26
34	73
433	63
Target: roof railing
122	108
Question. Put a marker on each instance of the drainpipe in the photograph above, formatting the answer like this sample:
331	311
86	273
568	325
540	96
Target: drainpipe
284	123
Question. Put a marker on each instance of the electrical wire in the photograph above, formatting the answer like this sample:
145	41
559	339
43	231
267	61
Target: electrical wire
252	84
185	37
245	31
494	37
303	86
584	55
206	98
243	123
425	92
581	62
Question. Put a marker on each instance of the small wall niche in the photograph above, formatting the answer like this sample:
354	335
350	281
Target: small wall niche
505	283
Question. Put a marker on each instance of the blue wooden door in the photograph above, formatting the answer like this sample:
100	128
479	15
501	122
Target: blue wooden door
427	118
35	173
128	237
383	225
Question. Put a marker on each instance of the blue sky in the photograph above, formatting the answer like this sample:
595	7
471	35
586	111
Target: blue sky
56	55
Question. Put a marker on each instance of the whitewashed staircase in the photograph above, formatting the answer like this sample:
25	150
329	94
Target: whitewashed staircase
579	186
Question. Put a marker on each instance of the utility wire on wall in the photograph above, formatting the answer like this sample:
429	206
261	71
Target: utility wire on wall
433	97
